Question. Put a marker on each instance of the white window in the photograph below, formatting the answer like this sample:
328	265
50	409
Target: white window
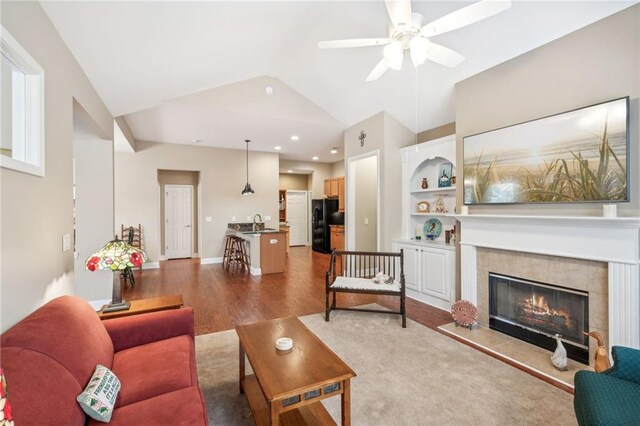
22	109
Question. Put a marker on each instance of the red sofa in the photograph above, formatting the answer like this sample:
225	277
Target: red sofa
49	356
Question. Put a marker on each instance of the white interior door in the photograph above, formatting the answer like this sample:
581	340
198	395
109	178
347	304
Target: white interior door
297	217
178	217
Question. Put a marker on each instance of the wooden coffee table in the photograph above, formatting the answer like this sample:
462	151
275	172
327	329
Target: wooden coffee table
287	386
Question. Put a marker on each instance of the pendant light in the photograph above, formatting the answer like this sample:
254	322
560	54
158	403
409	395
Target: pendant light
247	188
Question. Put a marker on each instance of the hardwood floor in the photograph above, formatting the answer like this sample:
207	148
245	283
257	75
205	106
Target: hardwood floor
223	299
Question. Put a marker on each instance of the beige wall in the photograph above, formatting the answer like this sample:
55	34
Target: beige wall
337	169
178	177
320	172
366	203
386	134
437	132
594	64
294	182
93	158
38	211
222	177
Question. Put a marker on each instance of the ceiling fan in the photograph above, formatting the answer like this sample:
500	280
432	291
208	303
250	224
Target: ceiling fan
407	33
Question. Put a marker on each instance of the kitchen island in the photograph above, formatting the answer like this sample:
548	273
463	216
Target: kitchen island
266	248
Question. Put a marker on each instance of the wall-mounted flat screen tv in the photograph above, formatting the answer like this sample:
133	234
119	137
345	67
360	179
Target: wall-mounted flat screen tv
575	156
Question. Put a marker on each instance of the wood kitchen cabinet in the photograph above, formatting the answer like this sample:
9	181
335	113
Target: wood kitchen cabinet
337	243
334	188
273	252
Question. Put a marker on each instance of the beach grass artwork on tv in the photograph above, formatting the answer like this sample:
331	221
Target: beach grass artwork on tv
576	156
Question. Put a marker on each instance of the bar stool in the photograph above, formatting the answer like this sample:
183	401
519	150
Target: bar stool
235	253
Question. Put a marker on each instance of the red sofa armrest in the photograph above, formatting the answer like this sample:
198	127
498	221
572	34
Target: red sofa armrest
136	330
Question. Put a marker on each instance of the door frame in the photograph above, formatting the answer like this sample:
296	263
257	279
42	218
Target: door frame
351	199
166	204
308	211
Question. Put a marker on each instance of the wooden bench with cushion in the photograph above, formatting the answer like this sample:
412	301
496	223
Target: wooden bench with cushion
357	274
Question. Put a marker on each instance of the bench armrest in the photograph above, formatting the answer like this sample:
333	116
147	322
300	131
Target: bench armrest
136	330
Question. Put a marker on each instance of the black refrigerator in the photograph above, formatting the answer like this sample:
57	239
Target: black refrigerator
324	213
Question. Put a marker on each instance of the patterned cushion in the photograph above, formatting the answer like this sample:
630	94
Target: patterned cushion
351	283
99	397
6	418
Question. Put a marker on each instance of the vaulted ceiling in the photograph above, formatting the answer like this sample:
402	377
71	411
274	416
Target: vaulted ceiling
180	71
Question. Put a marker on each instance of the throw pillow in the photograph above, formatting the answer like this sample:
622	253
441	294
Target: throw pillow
6	418
99	397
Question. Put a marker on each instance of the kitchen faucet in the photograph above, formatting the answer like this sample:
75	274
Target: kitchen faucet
254	220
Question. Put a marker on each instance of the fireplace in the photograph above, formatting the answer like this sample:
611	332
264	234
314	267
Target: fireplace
535	312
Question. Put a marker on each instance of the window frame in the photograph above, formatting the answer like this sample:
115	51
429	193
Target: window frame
35	107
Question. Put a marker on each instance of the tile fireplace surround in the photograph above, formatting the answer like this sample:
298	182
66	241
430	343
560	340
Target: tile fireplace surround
584	242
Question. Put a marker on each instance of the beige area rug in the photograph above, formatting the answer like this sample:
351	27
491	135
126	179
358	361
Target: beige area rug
412	376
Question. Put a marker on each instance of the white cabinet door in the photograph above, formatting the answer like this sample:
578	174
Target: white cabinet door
411	265
434	265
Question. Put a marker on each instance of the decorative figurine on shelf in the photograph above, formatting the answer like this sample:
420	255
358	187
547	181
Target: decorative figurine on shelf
440	208
425	183
418	233
453	180
559	357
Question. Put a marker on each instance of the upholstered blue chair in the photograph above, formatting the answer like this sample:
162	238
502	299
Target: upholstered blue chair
611	397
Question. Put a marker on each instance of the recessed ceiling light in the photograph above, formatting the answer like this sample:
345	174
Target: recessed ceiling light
314	158
269	90
334	150
289	171
277	148
195	141
295	138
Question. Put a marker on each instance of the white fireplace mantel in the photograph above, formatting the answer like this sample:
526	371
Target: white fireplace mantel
615	241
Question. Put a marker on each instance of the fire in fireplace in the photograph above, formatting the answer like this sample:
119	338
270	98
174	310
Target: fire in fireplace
535	312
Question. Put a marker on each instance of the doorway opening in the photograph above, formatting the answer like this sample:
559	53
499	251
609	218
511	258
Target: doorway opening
179	219
363	202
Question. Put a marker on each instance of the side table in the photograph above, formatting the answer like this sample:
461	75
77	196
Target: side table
143	306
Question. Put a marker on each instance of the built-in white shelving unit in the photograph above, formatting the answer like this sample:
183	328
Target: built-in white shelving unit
429	264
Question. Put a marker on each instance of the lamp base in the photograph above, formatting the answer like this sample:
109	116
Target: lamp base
114	307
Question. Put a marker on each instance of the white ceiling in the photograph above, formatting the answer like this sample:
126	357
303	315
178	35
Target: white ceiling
144	58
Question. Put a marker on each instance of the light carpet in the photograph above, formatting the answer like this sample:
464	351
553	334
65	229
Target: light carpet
412	376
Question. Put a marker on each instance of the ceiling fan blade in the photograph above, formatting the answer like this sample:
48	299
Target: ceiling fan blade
379	69
443	55
465	16
354	42
399	12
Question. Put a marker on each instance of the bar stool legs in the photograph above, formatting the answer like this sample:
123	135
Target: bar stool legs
235	253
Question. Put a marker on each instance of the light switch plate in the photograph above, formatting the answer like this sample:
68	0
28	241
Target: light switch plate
267	218
248	218
208	219
66	242
233	218
366	220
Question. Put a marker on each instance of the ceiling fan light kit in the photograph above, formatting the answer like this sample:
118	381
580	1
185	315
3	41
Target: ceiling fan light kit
407	33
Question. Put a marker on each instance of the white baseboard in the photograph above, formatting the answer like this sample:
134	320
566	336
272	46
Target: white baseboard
98	304
210	260
445	305
162	257
151	265
255	271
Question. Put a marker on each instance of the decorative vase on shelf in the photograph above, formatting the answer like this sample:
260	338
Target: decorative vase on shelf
425	183
440	208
